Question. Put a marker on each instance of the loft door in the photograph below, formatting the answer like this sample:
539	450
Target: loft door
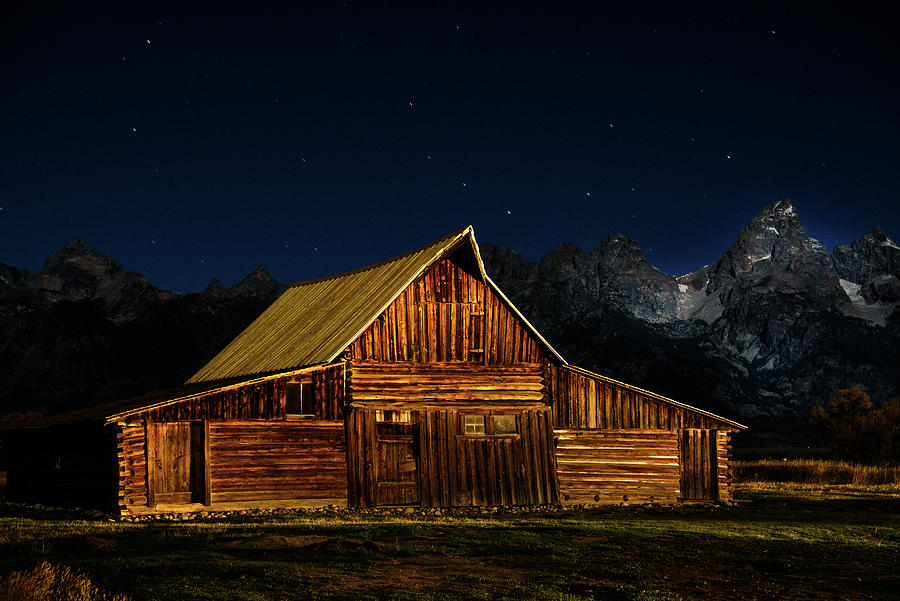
699	465
396	464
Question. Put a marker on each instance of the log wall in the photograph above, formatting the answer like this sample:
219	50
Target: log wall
618	466
580	401
132	466
455	469
252	461
723	469
371	381
256	400
448	315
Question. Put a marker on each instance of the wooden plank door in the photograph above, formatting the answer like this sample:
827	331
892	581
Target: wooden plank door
177	455
396	464
699	480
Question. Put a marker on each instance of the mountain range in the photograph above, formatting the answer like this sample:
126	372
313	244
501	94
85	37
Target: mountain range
771	328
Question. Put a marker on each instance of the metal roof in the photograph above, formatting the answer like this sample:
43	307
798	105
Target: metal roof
312	322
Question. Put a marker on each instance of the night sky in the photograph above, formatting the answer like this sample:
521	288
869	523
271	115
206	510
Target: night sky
193	146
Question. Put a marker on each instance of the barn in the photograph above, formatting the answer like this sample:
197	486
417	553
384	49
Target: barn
413	381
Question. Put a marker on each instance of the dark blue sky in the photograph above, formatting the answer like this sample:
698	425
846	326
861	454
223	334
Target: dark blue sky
193	146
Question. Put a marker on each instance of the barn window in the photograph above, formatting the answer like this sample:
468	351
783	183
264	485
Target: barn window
298	399
404	417
504	424
474	424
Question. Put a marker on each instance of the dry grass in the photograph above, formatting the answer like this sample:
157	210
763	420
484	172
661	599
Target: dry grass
815	471
48	582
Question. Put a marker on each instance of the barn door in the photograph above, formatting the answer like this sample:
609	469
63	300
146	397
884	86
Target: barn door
699	465
396	464
177	458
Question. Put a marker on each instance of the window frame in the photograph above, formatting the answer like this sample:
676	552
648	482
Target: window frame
305	392
489	430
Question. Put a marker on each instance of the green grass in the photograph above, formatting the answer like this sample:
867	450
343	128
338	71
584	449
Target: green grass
789	542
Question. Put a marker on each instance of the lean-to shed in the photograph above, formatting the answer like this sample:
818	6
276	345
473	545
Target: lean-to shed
414	381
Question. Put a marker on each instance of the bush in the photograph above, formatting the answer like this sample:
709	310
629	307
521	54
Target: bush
48	582
858	430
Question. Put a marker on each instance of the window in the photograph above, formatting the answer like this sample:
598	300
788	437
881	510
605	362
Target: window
299	399
474	424
393	416
504	424
489	424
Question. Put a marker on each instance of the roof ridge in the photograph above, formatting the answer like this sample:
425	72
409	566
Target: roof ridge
383	262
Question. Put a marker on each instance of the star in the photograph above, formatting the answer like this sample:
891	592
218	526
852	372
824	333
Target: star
133	130
588	194
508	213
148	42
728	156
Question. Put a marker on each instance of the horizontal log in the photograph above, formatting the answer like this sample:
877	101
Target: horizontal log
251	461
437	395
274	424
272	495
358	367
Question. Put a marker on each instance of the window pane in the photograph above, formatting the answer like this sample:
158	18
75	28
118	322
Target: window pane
307	404
292	398
474	424
504	424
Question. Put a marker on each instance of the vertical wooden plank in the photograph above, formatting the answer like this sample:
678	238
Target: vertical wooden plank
452	427
150	450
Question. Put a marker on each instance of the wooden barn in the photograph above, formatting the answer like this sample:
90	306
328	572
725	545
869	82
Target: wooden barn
414	381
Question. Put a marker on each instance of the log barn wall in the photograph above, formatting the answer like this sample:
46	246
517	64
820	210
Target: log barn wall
263	399
254	461
582	401
448	315
618	466
458	469
723	467
132	455
419	382
586	402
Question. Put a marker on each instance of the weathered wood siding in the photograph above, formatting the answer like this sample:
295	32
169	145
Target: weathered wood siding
699	464
252	461
404	382
617	466
455	469
448	315
580	401
132	457
255	400
723	471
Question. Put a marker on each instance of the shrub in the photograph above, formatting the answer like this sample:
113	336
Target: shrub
48	582
858	430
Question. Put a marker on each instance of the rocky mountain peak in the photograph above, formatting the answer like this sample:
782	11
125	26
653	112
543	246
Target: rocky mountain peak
215	289
258	283
869	269
78	256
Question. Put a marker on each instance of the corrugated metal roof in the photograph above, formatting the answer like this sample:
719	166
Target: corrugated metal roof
313	321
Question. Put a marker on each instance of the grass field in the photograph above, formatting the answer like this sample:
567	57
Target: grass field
794	541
